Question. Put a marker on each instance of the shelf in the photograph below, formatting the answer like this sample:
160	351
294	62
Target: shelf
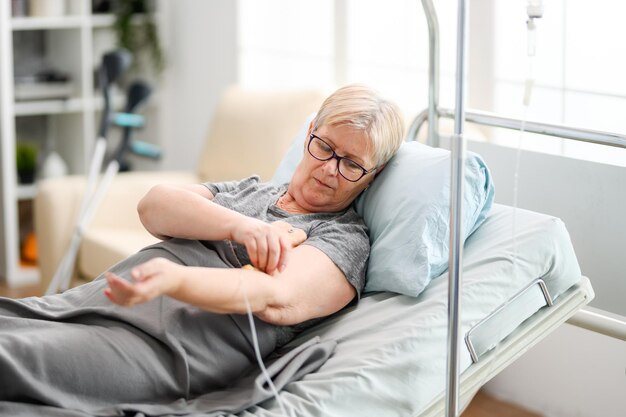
71	105
102	20
107	20
43	107
43	23
117	102
26	191
73	44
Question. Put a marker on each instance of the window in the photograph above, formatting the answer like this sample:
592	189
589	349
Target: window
286	43
387	47
324	44
577	70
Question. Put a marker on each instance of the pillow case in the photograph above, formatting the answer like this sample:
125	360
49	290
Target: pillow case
407	212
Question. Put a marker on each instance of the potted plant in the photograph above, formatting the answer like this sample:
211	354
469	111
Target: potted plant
139	35
26	162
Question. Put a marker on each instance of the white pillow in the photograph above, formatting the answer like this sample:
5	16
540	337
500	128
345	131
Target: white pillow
407	211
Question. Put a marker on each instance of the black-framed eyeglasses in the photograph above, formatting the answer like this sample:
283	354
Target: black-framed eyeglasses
348	169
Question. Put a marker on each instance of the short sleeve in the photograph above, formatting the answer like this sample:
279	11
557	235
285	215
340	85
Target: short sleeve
344	240
229	186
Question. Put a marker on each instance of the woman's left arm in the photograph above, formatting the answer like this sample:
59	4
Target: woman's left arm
310	286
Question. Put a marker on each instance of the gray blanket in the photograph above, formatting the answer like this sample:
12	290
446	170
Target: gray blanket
77	354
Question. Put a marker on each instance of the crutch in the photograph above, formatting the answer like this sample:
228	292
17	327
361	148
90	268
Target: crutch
113	65
138	93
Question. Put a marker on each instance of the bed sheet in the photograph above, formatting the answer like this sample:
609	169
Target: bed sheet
390	358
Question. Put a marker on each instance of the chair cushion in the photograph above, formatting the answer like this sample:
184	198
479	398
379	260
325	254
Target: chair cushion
251	131
103	247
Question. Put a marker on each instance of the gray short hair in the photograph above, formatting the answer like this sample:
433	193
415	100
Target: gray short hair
363	108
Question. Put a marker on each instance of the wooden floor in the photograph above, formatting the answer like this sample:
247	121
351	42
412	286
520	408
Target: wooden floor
483	405
21	292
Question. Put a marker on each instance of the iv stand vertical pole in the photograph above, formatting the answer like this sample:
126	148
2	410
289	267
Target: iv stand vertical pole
456	217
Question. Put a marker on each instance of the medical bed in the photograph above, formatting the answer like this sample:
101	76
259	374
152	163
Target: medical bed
390	354
519	284
390	358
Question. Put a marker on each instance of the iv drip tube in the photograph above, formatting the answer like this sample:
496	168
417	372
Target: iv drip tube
456	220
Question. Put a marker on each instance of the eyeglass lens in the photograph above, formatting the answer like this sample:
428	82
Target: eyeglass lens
349	169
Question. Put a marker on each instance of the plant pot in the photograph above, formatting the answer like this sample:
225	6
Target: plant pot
26	176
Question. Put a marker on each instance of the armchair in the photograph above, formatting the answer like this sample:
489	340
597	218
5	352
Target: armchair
116	231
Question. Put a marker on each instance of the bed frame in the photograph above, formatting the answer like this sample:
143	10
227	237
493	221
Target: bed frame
569	308
527	335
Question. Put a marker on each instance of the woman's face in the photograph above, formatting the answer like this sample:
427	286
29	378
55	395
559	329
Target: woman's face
317	186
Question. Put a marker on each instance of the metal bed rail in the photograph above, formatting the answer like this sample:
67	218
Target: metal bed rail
476	353
599	323
494	120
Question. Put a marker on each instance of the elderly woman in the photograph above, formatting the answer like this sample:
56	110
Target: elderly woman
308	247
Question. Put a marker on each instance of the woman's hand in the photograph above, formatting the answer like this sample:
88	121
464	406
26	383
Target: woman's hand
268	244
156	277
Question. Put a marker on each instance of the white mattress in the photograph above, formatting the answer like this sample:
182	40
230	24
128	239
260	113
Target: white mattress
390	358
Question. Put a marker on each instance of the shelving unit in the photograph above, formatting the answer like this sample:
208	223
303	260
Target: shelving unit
74	44
46	23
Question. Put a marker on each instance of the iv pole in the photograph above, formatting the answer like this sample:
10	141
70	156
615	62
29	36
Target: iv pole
456	219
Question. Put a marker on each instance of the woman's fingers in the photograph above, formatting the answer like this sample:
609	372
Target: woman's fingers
294	235
121	291
274	253
285	246
268	245
264	252
149	269
152	278
297	237
259	244
288	237
262	249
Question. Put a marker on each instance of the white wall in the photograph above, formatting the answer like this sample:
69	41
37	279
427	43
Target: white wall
571	373
201	42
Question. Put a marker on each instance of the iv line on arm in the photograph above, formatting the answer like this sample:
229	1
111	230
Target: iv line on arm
255	344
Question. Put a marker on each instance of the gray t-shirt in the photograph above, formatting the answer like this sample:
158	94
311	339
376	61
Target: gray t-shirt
342	236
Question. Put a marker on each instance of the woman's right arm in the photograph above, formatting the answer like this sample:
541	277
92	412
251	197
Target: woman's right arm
164	206
187	212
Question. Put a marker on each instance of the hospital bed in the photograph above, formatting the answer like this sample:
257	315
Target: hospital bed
390	358
518	286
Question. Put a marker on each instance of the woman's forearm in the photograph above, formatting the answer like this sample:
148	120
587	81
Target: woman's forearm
222	290
219	290
170	211
311	286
